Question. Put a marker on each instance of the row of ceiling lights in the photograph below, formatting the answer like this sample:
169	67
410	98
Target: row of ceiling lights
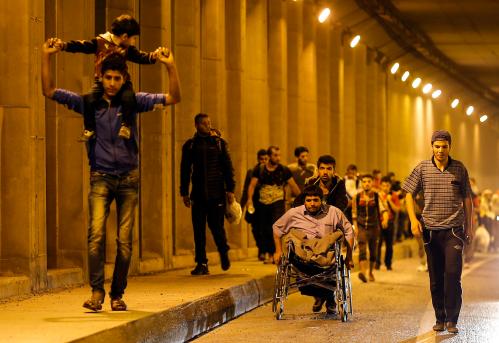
324	15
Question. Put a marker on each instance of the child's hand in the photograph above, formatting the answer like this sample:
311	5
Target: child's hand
49	46
164	55
58	43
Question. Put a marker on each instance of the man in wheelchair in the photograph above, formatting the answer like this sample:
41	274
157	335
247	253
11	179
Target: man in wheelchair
319	223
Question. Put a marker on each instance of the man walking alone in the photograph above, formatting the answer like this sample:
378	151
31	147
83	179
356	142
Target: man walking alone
447	214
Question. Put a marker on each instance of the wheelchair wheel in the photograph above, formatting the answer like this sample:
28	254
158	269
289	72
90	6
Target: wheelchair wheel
342	294
281	286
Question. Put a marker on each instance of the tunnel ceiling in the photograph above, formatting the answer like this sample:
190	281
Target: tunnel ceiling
466	31
458	37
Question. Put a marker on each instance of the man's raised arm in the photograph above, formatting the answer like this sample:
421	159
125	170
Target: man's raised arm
166	57
47	83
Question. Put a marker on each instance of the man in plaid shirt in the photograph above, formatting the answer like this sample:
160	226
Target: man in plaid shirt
447	214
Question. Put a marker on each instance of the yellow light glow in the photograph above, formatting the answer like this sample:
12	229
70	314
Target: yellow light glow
483	118
355	41
405	76
416	82
324	15
395	67
469	110
454	104
427	88
436	94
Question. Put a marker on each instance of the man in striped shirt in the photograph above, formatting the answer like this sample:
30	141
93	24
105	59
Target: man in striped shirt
446	225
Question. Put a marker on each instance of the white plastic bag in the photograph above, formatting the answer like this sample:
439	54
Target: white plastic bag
233	212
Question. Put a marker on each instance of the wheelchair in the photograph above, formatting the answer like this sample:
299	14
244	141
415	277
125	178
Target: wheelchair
293	272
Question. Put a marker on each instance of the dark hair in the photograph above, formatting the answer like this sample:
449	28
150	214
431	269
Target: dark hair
125	24
299	150
313	191
199	117
114	61
326	159
272	147
386	179
376	171
261	152
369	176
351	166
390	174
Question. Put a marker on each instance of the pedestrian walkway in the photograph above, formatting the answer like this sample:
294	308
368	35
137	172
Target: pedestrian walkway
168	307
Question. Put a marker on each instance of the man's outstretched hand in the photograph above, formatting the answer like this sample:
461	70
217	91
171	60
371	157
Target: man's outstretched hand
164	55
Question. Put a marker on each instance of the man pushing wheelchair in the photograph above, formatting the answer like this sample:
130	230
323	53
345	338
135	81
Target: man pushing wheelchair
310	233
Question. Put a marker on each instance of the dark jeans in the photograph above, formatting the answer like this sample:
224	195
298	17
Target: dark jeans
368	237
105	188
126	97
267	217
212	211
386	235
444	251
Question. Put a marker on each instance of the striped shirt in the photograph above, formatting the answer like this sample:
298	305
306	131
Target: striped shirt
443	192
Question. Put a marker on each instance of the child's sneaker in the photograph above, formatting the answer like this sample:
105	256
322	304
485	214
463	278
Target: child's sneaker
125	132
86	135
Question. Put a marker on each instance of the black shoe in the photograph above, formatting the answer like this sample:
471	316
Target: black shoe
439	326
317	307
377	266
362	277
201	269
389	268
224	261
117	304
330	306
95	302
452	328
261	257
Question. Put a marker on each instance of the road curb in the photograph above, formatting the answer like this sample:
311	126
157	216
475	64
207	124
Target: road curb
188	320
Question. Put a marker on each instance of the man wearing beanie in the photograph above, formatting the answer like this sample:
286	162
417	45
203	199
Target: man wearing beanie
446	225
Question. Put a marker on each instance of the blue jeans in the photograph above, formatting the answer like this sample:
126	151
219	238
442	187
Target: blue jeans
104	188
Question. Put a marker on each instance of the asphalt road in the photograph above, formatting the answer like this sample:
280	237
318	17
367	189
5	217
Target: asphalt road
394	308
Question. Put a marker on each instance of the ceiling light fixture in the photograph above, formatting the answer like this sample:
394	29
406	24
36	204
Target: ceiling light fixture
427	88
395	67
355	41
416	82
469	110
483	118
454	104
324	15
436	94
405	76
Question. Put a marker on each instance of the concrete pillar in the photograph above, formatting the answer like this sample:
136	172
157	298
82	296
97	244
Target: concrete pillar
363	132
372	116
213	77
336	65
187	29
257	99
155	144
307	67
22	164
295	73
323	89
348	132
277	73
236	112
